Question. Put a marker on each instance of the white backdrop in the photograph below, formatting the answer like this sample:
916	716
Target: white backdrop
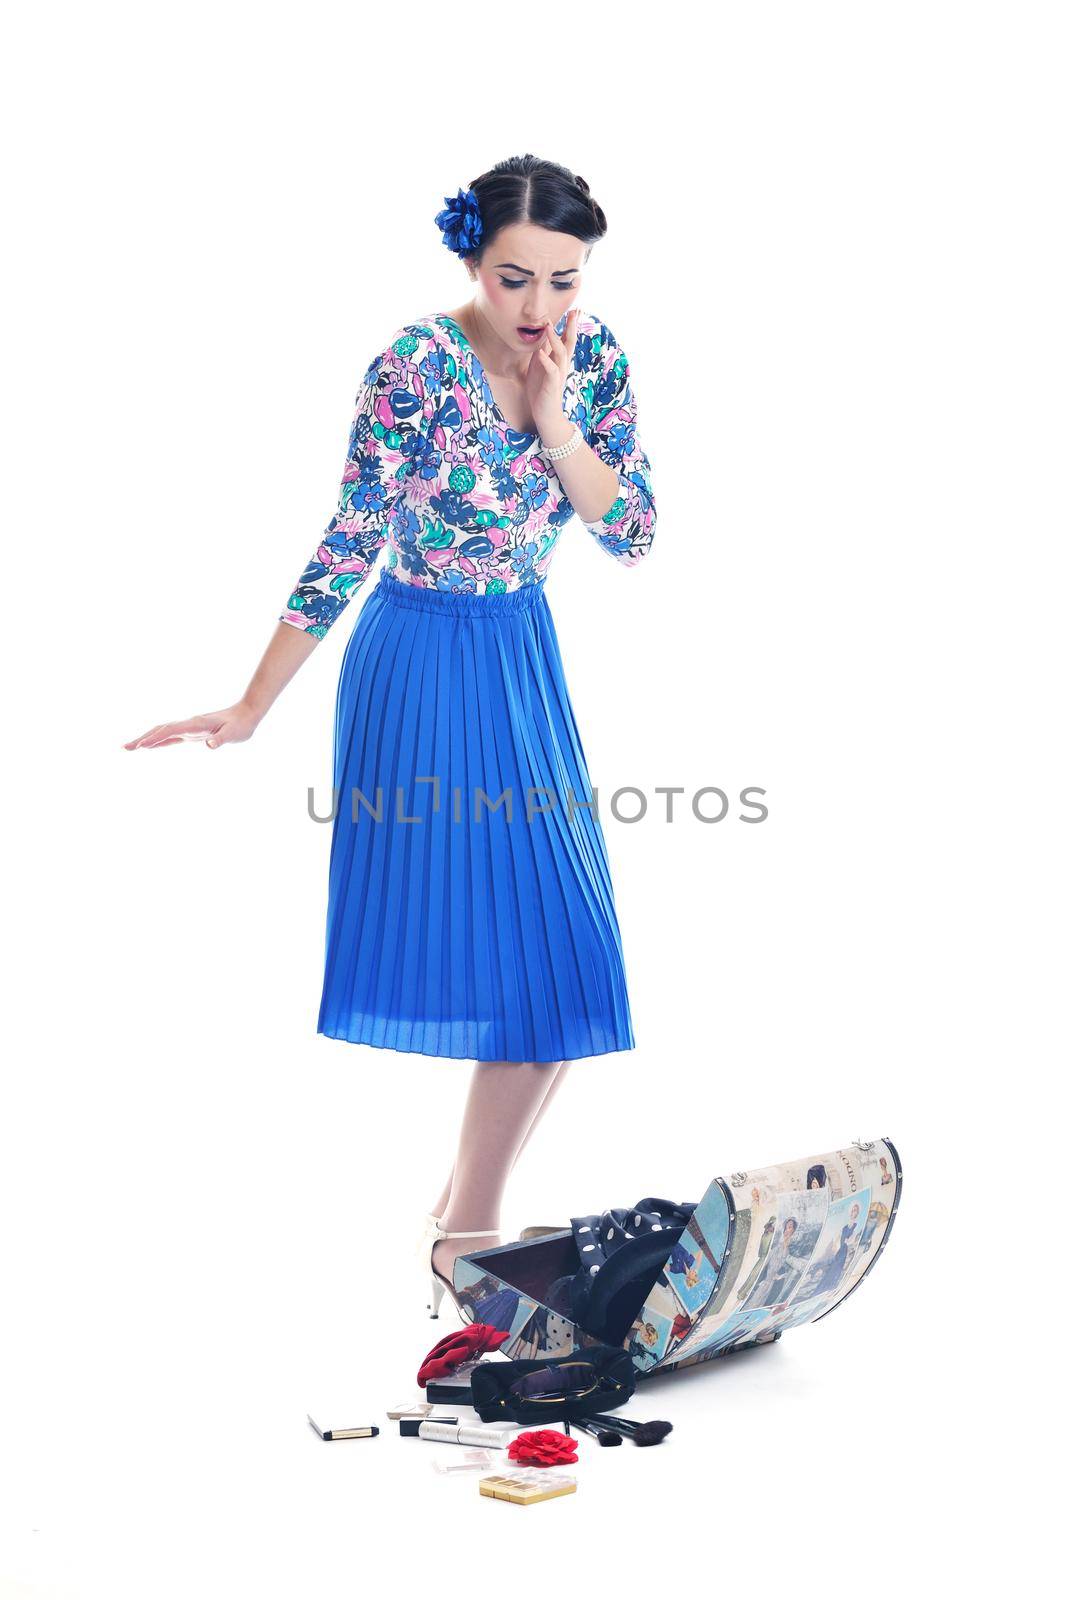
834	235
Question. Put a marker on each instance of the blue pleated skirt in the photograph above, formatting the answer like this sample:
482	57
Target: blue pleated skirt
471	911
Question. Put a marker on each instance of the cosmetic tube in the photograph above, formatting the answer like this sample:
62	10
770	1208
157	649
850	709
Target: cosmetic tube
452	1433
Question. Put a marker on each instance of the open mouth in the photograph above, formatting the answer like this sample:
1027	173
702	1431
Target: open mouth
528	332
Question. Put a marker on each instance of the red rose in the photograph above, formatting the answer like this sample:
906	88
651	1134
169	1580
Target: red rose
455	1348
543	1447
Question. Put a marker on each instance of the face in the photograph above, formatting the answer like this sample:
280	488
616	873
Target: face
527	276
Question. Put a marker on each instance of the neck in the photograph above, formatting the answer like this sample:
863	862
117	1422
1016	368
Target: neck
497	358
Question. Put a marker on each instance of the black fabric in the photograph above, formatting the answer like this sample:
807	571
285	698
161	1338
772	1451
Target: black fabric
591	1379
620	1255
501	1390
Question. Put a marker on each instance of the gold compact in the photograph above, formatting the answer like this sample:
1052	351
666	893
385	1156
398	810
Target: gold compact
523	1490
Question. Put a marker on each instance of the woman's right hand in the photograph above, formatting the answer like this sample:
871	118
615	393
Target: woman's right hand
213	728
285	654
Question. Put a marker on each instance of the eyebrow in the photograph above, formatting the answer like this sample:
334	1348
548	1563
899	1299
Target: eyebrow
560	272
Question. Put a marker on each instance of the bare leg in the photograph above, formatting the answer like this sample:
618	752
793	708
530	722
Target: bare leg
502	1103
561	1072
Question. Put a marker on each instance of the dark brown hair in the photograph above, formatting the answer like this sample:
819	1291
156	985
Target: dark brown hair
527	188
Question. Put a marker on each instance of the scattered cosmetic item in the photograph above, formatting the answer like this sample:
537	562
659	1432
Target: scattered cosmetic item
468	1461
415	1408
343	1433
527	1486
452	1432
644	1433
602	1433
449	1394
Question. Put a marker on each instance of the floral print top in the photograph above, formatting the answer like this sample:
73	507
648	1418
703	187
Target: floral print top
460	499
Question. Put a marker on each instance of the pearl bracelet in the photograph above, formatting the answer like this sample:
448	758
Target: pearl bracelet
557	452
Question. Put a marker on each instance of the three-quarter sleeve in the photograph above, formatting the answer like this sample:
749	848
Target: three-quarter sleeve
385	445
627	528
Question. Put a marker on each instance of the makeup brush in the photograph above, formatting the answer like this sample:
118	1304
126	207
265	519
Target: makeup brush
630	1423
643	1433
603	1435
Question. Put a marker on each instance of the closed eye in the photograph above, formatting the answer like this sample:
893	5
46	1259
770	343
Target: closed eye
520	283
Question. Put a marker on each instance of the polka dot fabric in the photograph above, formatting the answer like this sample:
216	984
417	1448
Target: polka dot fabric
598	1237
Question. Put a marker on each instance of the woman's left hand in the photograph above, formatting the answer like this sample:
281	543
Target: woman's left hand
547	373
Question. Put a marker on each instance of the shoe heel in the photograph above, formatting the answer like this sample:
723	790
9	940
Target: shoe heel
440	1286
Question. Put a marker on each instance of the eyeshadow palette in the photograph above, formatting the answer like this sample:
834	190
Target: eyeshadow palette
527	1486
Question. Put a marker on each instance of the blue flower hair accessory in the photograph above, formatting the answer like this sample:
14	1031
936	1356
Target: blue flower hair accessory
460	222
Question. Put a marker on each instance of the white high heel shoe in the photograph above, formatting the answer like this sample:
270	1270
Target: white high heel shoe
537	1230
430	1222
438	1284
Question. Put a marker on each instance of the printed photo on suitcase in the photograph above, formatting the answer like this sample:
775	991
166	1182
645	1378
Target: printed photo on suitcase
764	1250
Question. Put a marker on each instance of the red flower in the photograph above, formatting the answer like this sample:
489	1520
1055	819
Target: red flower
455	1348
543	1447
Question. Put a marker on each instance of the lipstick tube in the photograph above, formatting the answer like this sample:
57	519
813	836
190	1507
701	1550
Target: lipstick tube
452	1433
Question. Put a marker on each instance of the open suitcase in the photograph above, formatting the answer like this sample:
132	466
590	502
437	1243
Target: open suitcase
764	1250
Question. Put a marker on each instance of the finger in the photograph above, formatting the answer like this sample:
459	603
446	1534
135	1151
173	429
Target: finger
178	732
554	347
158	740
190	727
152	732
563	345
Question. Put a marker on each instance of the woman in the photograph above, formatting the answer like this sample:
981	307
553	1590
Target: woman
471	911
780	1268
839	1261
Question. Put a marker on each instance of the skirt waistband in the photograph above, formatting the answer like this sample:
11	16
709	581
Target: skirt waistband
455	603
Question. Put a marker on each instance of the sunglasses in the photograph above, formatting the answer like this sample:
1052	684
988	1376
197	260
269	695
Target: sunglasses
588	1380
